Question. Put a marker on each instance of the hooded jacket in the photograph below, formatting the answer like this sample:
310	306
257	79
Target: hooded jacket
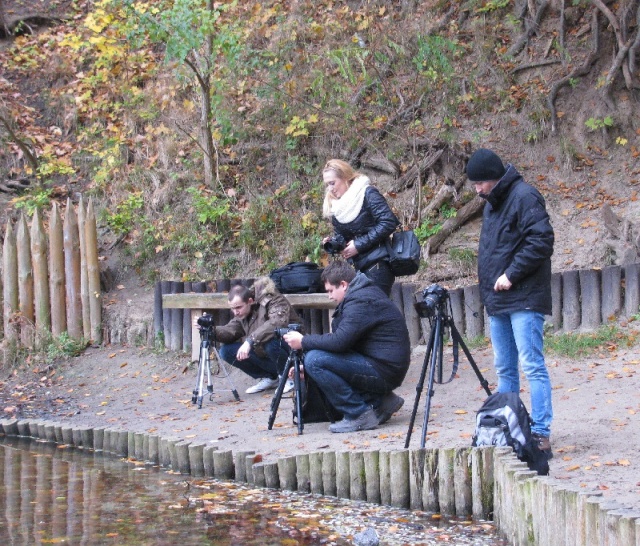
516	239
269	311
369	323
370	230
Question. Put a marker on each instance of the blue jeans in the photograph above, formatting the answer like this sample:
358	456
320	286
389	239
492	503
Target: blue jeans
349	381
518	337
256	366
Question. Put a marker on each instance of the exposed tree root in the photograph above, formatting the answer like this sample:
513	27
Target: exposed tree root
531	26
466	213
582	70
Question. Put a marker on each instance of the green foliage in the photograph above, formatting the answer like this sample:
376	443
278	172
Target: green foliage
575	345
493	5
435	56
209	208
38	199
447	211
596	123
427	229
64	346
126	215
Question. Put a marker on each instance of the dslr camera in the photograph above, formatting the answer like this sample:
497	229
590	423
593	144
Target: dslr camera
206	321
335	245
434	298
280	332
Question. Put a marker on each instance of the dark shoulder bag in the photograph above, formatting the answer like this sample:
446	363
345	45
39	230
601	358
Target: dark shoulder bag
404	253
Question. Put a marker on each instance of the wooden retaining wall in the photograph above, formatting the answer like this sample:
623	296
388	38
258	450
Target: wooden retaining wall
481	482
51	277
581	300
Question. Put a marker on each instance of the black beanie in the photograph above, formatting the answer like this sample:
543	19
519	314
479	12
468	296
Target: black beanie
485	165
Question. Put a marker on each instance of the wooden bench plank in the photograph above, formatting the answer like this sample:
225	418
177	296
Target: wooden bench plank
219	300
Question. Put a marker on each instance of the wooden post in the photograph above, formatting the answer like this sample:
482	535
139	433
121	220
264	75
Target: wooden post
84	274
10	284
72	272
175	341
56	274
93	274
40	276
25	282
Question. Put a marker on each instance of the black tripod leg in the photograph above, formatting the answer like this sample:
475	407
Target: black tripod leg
455	335
298	391
436	361
275	401
420	385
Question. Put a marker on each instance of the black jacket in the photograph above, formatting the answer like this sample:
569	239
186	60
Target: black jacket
516	239
370	230
369	323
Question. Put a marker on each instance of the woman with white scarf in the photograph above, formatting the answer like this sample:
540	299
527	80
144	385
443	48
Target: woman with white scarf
362	221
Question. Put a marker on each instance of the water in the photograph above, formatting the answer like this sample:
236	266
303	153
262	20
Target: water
57	495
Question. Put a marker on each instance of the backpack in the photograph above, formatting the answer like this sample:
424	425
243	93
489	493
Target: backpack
297	278
503	420
315	406
404	253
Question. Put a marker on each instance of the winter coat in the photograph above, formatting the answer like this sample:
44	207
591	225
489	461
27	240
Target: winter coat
269	311
370	230
369	323
517	240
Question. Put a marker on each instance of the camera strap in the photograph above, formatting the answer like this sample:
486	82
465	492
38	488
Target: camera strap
456	361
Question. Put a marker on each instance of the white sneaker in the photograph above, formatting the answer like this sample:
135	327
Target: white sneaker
262	385
288	386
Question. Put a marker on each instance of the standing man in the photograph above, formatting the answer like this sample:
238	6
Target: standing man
365	356
514	270
249	341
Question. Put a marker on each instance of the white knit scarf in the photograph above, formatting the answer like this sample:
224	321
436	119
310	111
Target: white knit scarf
349	205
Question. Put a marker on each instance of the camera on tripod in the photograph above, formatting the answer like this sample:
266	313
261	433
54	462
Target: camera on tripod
206	321
434	298
280	332
335	245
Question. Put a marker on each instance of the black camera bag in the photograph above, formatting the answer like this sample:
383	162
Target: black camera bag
315	406
404	253
298	278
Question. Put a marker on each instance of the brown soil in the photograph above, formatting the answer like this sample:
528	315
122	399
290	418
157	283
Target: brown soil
596	431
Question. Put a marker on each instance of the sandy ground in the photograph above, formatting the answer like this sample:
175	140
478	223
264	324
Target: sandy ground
596	431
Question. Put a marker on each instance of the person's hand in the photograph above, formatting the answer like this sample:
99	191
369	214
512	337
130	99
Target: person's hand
293	370
294	340
325	240
350	250
243	351
502	283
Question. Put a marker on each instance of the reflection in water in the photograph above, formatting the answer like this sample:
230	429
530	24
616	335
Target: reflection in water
55	495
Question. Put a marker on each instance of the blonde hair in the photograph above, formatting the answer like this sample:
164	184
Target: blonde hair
343	171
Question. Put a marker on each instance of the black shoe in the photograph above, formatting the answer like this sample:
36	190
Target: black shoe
543	444
390	404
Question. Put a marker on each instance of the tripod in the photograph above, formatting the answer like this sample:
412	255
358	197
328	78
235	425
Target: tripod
437	312
208	346
294	361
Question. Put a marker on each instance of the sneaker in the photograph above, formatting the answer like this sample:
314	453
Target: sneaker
288	386
390	404
543	444
264	384
367	421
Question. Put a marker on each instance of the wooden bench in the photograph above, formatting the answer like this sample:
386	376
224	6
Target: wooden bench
198	303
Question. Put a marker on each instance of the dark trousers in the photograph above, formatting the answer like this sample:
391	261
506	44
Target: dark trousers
256	366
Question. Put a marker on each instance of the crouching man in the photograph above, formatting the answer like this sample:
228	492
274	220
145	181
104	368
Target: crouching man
249	341
365	356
